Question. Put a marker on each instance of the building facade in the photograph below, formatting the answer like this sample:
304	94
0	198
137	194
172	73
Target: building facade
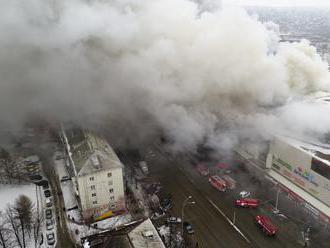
304	169
97	174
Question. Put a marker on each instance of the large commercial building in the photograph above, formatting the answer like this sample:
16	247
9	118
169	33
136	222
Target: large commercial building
304	169
97	174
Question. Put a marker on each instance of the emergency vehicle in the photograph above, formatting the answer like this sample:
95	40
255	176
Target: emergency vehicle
231	183
218	183
252	203
267	226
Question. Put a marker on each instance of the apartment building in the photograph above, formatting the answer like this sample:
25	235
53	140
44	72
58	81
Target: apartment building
97	174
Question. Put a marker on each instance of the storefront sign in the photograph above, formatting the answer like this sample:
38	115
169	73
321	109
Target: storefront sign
303	173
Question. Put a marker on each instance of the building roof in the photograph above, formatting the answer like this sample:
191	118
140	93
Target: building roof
90	153
145	235
317	149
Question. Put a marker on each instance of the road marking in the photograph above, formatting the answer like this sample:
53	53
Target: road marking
229	221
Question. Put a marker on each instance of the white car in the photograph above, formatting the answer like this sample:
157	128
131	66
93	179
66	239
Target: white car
244	194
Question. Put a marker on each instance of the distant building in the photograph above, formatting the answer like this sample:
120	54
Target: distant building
96	172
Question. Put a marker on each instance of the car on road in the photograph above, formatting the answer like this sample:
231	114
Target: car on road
244	194
247	202
49	225
48	213
173	220
188	227
47	193
267	226
50	238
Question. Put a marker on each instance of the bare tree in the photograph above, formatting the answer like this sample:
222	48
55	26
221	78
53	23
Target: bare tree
4	232
14	224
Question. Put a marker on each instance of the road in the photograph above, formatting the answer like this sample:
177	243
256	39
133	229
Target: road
63	237
212	229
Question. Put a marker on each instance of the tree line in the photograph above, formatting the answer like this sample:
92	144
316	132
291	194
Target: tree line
20	224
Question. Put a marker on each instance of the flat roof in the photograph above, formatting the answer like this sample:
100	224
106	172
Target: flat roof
145	235
300	192
316	149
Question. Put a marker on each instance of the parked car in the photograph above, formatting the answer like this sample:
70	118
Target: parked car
48	213
47	193
49	225
65	178
244	194
267	226
247	202
50	238
166	204
189	229
49	202
173	220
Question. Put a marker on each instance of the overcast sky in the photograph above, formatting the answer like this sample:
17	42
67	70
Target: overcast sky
279	2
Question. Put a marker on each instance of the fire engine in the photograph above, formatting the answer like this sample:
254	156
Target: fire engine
218	183
267	226
253	203
231	183
203	170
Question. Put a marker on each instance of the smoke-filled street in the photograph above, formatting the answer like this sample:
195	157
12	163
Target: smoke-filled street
180	178
173	123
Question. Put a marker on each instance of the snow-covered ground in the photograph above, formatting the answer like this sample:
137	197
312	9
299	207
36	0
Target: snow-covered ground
9	193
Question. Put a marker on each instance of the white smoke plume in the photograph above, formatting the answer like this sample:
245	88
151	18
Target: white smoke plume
134	67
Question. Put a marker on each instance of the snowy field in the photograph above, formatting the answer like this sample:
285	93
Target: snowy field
9	193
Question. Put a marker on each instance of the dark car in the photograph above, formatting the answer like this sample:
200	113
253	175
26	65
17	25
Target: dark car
188	228
166	204
47	193
50	238
48	213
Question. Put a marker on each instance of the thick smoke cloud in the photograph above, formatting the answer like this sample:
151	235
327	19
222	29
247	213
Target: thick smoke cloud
137	67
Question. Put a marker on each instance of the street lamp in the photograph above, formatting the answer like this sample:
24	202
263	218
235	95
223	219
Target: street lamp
276	211
185	203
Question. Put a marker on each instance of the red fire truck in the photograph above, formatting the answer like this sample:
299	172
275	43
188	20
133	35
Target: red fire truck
203	170
267	226
252	203
231	183
218	183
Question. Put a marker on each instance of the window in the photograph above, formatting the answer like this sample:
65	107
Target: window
109	174
92	186
94	202
110	183
111	190
321	168
93	194
91	179
112	198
